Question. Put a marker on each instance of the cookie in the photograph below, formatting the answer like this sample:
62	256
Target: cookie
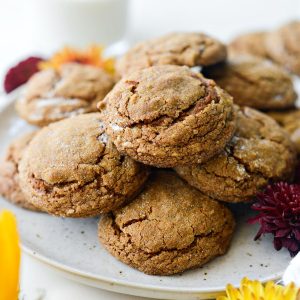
9	173
290	121
283	46
51	95
166	116
169	228
72	169
249	44
254	82
259	153
183	49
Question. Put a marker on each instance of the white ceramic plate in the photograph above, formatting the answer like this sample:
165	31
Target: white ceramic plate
71	245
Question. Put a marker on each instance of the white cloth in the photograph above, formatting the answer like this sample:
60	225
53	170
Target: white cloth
292	273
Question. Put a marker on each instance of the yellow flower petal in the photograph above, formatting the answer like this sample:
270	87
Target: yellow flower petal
9	257
246	292
291	292
232	292
255	290
221	298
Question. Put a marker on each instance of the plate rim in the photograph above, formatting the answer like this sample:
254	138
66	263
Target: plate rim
89	276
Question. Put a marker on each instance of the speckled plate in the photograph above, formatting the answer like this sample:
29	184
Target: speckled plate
71	245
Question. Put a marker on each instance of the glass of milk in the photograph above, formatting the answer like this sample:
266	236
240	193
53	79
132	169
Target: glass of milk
77	23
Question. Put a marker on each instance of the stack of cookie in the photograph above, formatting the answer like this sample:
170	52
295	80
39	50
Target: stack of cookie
161	114
280	46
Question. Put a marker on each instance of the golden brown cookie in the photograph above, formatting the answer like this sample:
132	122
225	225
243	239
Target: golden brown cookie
254	82
290	121
259	153
183	49
169	228
9	173
249	44
72	169
283	46
51	95
168	115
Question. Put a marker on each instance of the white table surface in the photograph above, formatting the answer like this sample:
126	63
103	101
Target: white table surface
39	282
148	18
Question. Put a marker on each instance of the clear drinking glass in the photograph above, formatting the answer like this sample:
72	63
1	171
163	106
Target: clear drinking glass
77	23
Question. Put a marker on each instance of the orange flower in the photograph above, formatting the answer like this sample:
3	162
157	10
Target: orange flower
91	56
9	257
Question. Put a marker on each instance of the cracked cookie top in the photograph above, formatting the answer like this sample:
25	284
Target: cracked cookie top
283	46
254	82
51	95
259	153
290	121
168	115
170	227
9	173
72	169
182	49
249	44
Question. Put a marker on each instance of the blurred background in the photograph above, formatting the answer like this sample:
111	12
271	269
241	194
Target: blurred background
42	26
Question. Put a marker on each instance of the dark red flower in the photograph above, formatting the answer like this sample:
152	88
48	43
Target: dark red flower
279	214
21	73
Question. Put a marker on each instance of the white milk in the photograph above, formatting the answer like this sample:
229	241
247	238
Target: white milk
77	23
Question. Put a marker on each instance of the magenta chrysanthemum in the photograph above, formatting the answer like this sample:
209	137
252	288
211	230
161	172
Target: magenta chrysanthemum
21	73
279	214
